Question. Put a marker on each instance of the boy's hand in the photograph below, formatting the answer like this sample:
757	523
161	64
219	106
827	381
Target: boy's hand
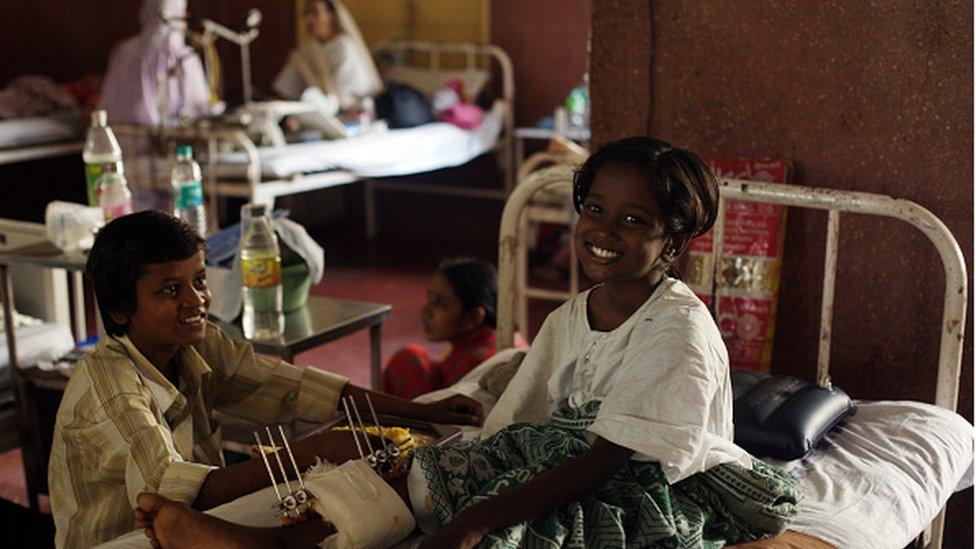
457	409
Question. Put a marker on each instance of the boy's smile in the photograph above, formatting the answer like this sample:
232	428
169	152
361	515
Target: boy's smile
172	300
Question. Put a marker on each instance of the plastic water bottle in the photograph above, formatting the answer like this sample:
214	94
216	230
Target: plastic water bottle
578	106
264	316
188	191
101	149
114	197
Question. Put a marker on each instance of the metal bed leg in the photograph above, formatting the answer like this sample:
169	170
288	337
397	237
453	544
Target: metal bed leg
375	355
78	306
27	434
931	538
370	203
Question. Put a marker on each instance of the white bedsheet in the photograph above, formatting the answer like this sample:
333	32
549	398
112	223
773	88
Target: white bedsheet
47	342
394	152
884	475
25	132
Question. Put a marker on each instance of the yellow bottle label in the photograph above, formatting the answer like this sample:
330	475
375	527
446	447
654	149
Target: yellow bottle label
261	272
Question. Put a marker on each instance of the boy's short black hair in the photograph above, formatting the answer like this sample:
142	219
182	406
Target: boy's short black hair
121	249
476	284
684	186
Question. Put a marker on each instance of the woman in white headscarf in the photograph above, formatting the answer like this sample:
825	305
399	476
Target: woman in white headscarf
334	58
132	90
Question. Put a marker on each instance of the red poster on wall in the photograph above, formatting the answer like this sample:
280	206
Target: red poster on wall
745	283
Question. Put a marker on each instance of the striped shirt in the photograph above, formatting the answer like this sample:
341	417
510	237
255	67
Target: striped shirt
123	428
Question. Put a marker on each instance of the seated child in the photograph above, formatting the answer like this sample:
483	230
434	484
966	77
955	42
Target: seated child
137	414
617	429
460	309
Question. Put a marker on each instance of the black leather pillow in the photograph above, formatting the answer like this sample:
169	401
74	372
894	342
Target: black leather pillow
403	106
784	417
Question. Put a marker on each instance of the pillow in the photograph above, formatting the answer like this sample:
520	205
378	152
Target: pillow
402	106
496	380
781	416
428	81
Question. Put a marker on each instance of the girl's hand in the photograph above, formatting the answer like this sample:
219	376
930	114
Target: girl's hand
457	409
458	534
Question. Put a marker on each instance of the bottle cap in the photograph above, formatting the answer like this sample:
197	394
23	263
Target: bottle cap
184	151
99	118
256	210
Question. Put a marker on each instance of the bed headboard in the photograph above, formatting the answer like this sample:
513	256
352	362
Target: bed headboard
834	202
430	60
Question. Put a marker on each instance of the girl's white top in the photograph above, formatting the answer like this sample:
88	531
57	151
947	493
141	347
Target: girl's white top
662	378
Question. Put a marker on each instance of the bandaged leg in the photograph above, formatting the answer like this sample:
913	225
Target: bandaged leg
365	510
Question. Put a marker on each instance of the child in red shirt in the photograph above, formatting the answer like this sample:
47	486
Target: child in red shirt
460	308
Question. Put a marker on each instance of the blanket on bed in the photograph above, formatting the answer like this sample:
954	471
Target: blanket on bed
636	508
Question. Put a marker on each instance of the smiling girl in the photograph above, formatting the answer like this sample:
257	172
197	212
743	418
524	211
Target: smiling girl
617	428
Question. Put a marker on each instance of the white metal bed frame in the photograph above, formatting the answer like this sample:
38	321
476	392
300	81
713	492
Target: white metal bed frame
511	252
474	55
254	189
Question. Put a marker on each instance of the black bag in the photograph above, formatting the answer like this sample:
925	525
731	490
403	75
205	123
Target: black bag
403	106
783	417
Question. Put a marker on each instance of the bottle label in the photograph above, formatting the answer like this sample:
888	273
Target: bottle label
113	211
189	195
92	174
261	272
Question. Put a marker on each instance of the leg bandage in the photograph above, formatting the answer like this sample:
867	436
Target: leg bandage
365	510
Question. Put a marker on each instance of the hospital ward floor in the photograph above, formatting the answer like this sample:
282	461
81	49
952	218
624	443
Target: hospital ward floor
387	270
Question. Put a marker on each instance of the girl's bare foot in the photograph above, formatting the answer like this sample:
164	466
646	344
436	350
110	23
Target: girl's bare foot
173	524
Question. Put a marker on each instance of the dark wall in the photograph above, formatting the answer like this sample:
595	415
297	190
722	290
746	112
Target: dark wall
62	39
546	40
868	96
67	39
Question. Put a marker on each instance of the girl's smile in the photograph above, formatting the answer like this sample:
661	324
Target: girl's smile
620	234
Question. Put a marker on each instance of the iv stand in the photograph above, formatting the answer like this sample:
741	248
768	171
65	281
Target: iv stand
212	30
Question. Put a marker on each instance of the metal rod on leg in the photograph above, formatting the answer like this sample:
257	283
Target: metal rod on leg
352	428
281	466
291	456
267	465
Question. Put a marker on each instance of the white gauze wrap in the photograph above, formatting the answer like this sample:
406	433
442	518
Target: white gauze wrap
365	510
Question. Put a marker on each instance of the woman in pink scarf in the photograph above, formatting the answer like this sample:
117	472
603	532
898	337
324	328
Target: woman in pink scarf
132	91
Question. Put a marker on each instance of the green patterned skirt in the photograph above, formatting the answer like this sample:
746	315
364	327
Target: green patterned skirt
636	508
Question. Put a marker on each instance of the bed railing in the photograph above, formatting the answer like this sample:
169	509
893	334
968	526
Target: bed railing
155	143
439	56
834	202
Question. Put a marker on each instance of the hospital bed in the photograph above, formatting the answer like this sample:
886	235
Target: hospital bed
881	480
37	137
236	167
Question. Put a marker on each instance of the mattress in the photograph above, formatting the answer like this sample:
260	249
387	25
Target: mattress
382	154
39	342
880	479
876	481
38	130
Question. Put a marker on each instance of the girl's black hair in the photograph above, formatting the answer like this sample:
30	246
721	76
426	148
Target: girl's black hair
475	283
123	247
684	186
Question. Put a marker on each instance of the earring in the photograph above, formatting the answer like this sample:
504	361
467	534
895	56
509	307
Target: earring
669	256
